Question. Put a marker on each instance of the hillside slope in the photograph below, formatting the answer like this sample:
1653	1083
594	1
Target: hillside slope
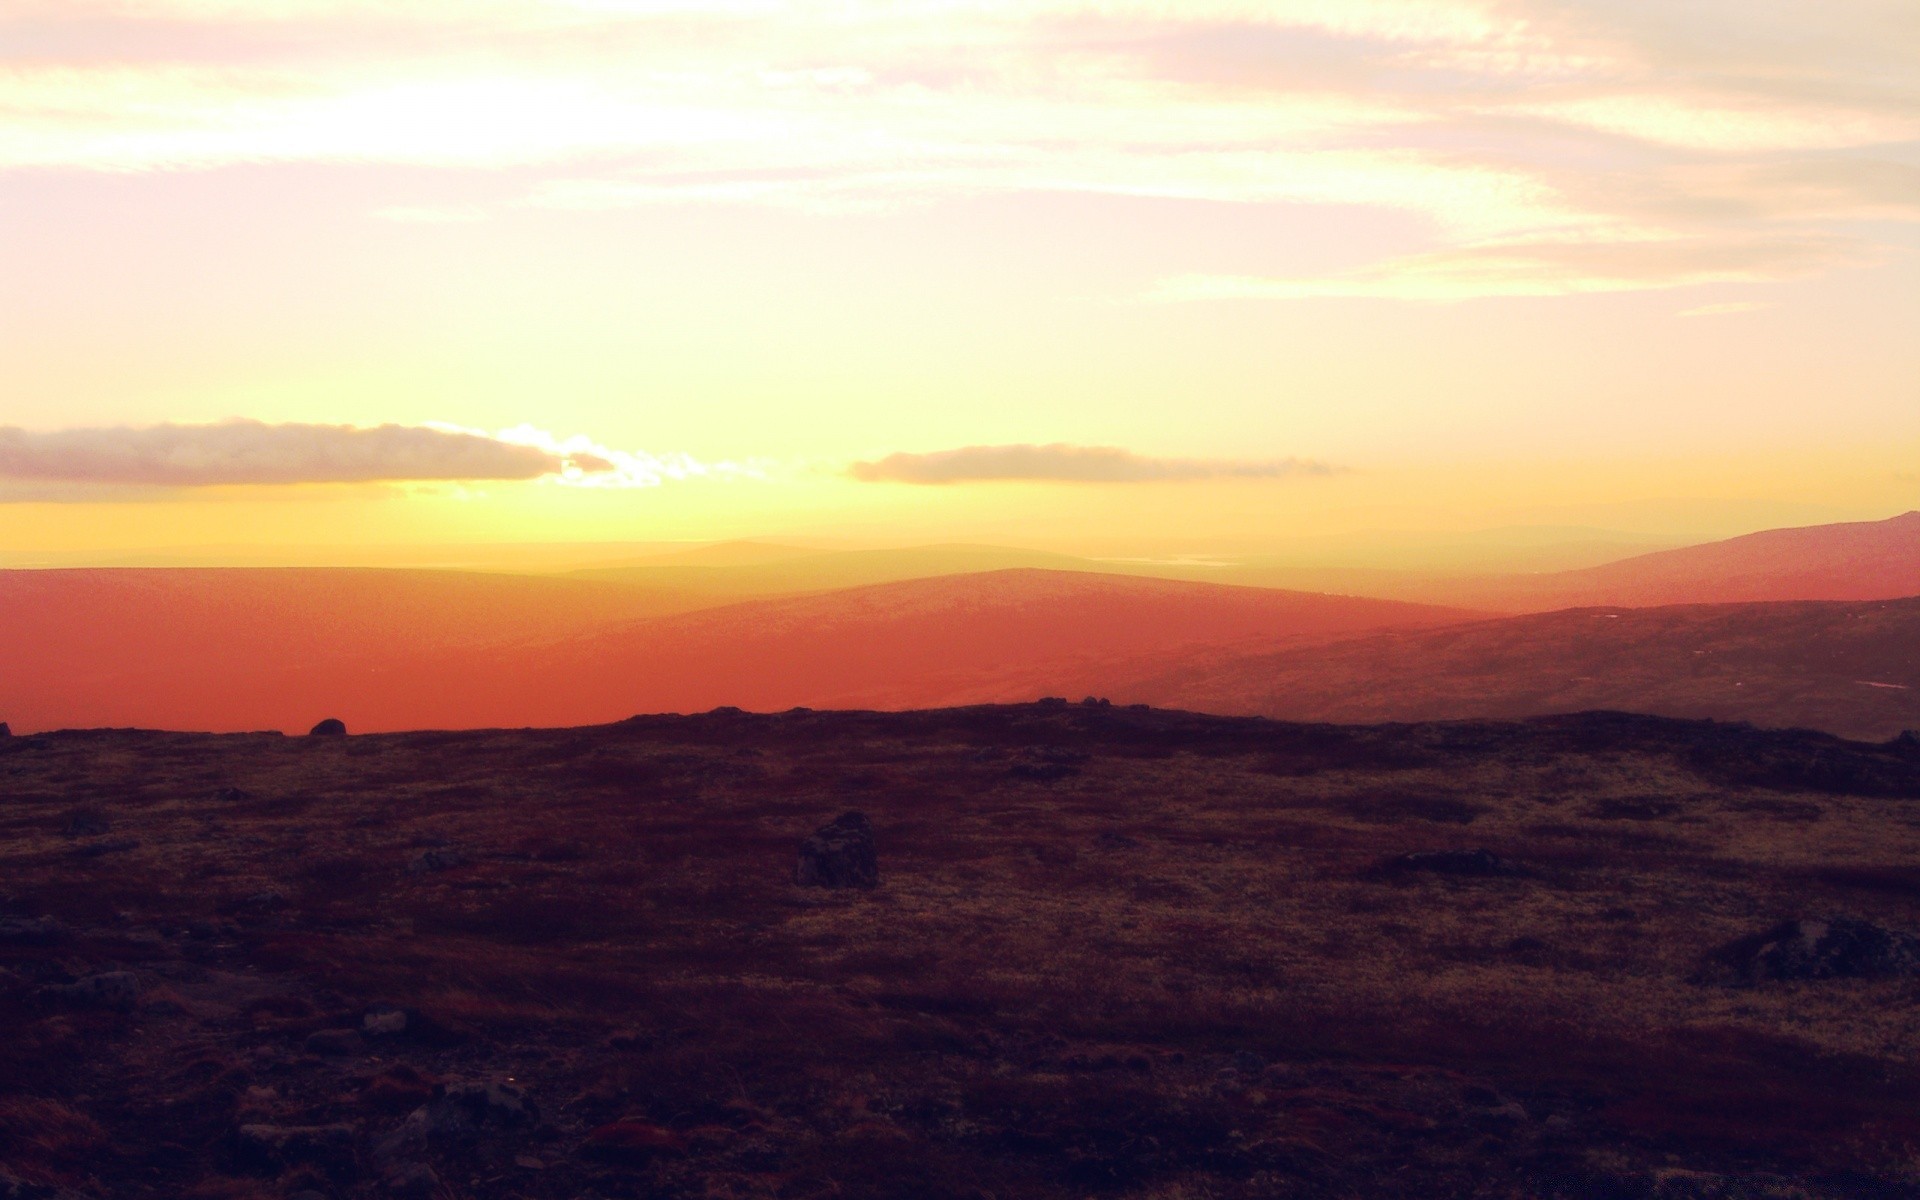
1847	667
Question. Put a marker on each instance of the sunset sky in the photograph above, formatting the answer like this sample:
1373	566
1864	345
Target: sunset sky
1108	275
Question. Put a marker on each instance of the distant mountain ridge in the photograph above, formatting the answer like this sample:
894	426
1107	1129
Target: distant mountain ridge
248	650
230	649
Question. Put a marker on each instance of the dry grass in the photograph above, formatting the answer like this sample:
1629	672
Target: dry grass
1173	972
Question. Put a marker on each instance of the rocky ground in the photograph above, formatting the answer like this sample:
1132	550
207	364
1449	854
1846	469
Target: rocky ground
1109	952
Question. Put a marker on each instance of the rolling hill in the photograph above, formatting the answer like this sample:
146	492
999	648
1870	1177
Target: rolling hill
1851	668
278	653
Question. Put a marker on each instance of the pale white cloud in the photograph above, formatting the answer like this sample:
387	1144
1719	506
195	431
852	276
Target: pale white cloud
107	462
257	453
1061	463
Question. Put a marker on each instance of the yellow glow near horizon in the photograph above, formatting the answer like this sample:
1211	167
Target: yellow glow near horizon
733	247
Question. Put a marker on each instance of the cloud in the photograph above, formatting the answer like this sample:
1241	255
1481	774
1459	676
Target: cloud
1545	266
1062	463
255	453
1482	119
1722	310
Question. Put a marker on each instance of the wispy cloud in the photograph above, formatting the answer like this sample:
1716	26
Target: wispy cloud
1501	125
1639	261
255	453
1062	463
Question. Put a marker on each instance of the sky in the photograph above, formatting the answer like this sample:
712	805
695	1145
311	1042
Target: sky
1112	276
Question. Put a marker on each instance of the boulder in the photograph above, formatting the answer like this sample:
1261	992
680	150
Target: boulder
1829	948
31	931
1478	861
118	990
384	1021
331	727
4	731
428	861
839	854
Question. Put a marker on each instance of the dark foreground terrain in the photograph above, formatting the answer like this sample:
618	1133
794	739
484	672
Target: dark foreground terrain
1112	952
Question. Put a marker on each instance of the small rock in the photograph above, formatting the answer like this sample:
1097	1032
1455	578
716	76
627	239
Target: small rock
428	861
839	854
31	931
117	990
86	822
462	1112
384	1022
1047	764
413	1179
278	1144
1454	862
331	727
1834	948
265	900
332	1043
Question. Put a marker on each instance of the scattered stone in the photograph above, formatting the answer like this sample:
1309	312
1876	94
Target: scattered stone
118	990
1478	861
276	1145
31	931
428	861
331	727
332	1043
839	854
231	795
462	1112
1833	948
384	1022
